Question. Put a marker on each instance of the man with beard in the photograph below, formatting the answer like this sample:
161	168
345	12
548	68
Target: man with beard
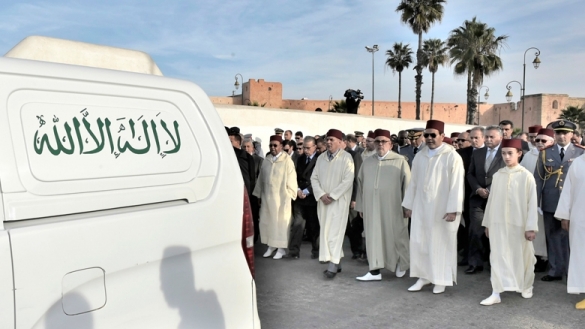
382	182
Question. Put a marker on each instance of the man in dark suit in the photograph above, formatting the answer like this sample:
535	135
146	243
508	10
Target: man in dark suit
485	162
355	224
245	160
305	206
248	146
507	128
468	141
404	147
552	166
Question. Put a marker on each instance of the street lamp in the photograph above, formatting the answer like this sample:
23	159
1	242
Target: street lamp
237	85
486	96
372	50
536	64
509	97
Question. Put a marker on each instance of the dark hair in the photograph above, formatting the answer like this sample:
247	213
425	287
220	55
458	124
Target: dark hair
288	131
290	143
299	133
351	138
507	122
318	109
238	138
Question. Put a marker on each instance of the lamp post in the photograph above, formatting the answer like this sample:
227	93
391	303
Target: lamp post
486	96
372	50
509	97
237	85
536	63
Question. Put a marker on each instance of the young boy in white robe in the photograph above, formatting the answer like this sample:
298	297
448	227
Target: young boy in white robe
511	223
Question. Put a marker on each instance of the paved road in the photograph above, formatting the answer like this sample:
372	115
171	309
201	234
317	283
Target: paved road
295	294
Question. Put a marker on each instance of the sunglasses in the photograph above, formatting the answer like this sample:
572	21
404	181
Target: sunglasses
432	135
273	145
461	140
299	148
540	140
381	142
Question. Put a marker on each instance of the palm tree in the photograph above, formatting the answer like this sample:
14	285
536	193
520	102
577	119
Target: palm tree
399	58
574	114
434	55
474	49
420	15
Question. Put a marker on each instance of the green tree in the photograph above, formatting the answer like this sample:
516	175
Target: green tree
435	54
474	49
339	107
420	15
399	58
574	114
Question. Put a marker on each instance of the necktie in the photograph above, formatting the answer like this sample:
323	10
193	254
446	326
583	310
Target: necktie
489	159
562	153
308	160
415	150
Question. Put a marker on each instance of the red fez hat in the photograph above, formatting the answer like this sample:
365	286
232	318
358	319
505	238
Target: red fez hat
277	138
382	133
534	129
547	132
335	133
447	140
436	124
454	135
371	134
515	143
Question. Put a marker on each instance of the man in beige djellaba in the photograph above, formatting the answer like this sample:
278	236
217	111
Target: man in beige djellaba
275	188
382	182
434	201
332	182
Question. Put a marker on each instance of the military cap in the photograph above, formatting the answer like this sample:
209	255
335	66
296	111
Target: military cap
358	133
563	125
278	131
415	132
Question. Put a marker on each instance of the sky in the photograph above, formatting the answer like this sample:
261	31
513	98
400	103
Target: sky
316	49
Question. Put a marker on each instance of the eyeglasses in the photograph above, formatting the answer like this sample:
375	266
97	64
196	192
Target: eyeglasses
273	145
432	135
461	140
381	142
538	140
299	148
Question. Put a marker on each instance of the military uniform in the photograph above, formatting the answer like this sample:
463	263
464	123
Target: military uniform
550	172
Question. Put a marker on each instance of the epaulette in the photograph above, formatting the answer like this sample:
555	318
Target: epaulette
548	147
579	146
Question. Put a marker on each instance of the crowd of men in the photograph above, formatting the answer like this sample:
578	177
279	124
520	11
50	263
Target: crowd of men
425	202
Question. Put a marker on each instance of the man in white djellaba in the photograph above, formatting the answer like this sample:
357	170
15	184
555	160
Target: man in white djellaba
434	201
571	212
332	182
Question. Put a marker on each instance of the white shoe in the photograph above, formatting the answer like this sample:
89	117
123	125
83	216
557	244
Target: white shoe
438	289
399	273
279	253
269	252
369	277
419	284
527	293
491	300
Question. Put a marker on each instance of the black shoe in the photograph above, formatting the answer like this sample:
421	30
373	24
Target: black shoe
473	269
329	275
462	263
291	256
355	256
313	256
548	278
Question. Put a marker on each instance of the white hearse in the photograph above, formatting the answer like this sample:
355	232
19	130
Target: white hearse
122	202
